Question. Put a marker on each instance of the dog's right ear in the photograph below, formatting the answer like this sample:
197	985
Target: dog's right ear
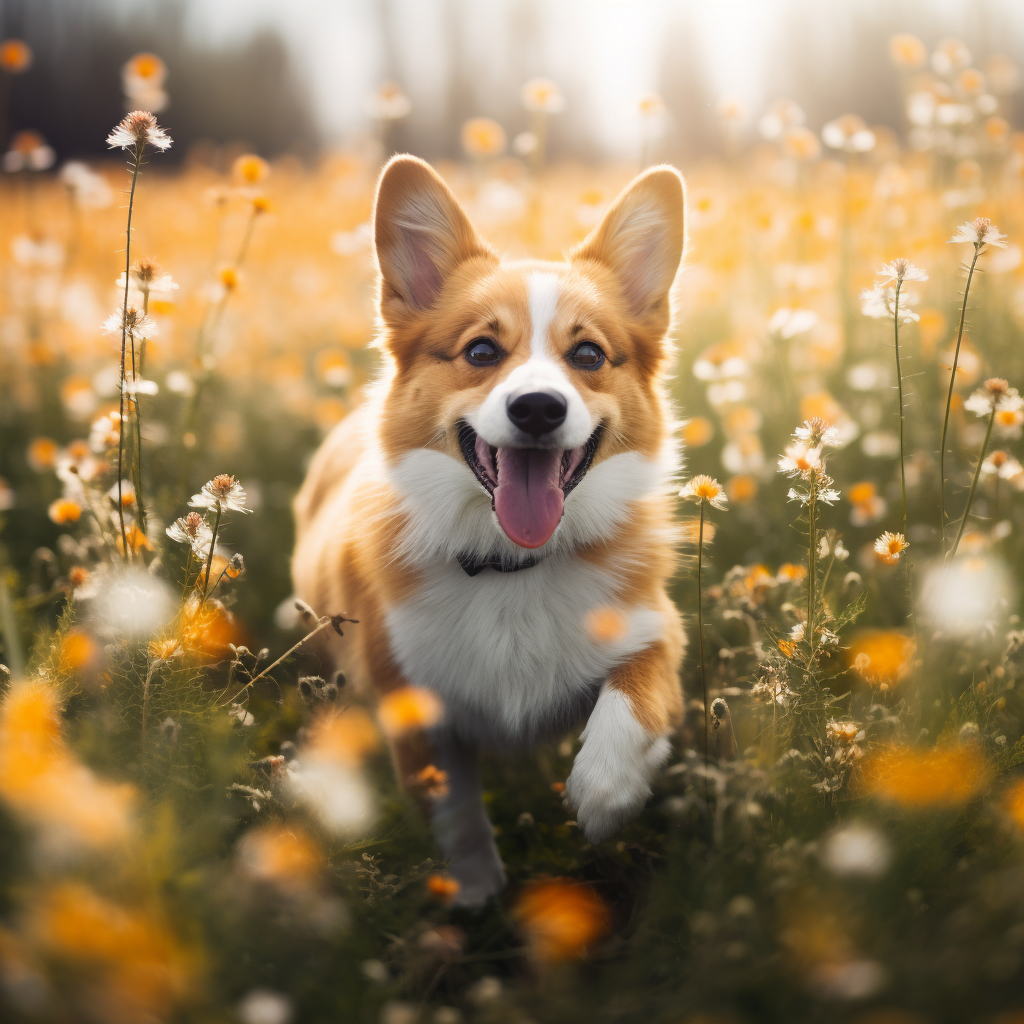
421	235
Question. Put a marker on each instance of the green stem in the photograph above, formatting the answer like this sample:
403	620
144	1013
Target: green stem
974	484
139	146
700	627
899	387
213	544
812	556
949	399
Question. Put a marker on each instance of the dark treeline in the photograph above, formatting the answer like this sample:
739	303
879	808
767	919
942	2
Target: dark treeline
72	93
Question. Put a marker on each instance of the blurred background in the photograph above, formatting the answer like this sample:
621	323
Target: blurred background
297	76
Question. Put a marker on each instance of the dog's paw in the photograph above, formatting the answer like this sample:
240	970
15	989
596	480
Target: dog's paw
610	779
480	875
604	798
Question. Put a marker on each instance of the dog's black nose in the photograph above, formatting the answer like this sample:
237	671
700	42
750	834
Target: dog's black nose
538	412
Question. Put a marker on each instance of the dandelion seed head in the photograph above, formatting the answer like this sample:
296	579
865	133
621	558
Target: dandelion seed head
138	130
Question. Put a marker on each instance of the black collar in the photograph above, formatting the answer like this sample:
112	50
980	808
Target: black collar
472	564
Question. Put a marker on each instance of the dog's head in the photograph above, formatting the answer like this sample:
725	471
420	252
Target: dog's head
527	377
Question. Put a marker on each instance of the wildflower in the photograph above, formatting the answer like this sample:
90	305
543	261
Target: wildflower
15	56
28	152
881	657
138	130
800	459
284	855
261	1006
787	322
149	276
705	489
900	270
880	303
432	782
249	169
42	453
1002	465
907	51
980	232
388	103
228	277
131	321
165	649
442	887
483	137
543	96
944	776
995	394
142	79
772	689
856	850
123	493
342	738
561	919
223	493
890	546
818	433
409	709
849	133
800	143
64	511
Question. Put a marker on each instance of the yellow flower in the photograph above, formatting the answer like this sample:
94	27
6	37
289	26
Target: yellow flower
442	887
15	56
800	143
742	488
64	510
165	649
890	546
249	169
482	137
561	919
147	68
943	776
42	453
542	95
228	276
344	737
409	709
285	855
705	488
907	51
882	657
697	431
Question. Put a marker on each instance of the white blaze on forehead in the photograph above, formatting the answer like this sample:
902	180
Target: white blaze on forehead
544	370
543	290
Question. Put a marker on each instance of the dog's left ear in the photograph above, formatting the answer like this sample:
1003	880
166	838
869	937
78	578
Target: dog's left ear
641	240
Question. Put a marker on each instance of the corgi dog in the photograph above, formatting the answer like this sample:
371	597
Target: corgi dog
498	515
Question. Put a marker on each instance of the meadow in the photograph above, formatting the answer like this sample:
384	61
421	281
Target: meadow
195	826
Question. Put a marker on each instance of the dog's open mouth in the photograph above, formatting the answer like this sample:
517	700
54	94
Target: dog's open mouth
527	485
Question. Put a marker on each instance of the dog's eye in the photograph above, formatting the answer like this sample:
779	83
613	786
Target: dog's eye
482	352
587	356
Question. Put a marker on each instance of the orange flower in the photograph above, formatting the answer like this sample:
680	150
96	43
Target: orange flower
141	968
561	919
697	431
148	68
741	488
409	709
442	887
64	511
907	51
890	546
883	657
42	453
285	855
78	652
41	780
1015	803
345	737
940	777
483	137
250	169
15	56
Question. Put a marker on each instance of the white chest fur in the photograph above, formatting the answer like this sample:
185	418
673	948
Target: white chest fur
510	652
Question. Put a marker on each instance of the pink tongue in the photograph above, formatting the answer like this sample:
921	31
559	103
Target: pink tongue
528	500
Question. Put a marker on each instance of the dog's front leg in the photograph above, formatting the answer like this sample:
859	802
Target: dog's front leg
458	819
625	742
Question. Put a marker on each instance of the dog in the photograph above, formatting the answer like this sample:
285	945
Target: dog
499	515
